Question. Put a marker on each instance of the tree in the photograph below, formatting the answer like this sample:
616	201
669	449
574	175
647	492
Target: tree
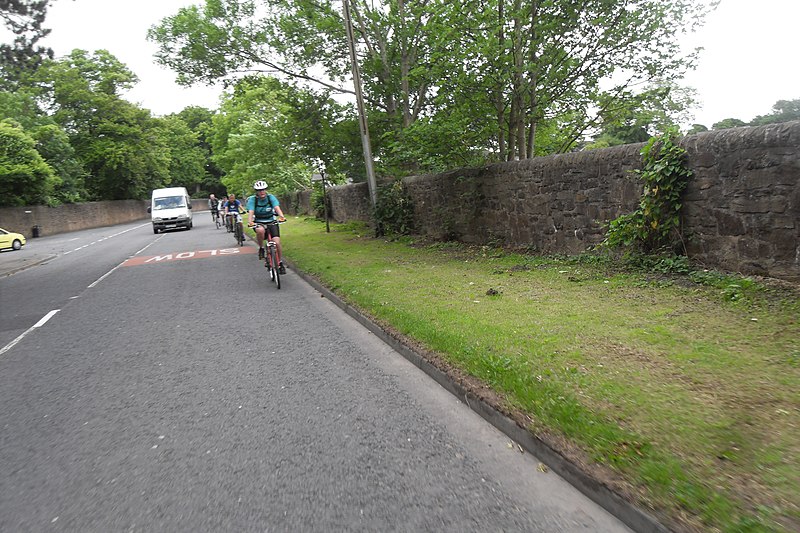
187	159
782	111
25	178
252	137
637	118
267	129
52	143
696	128
122	148
24	19
21	105
532	67
322	130
728	123
200	122
544	61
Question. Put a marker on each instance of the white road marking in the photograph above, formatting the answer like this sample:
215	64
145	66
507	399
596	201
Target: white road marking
104	276
39	324
106	238
148	246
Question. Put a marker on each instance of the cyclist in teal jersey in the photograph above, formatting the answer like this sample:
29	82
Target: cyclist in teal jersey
263	207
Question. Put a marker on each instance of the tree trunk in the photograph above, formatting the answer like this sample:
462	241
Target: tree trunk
404	66
499	103
512	125
533	79
518	124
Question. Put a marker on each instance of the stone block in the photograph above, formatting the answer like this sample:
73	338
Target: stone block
728	224
703	160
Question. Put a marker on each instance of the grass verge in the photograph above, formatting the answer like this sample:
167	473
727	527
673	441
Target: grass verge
681	392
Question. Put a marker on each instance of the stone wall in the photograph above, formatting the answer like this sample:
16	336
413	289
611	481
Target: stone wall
741	210
71	217
296	202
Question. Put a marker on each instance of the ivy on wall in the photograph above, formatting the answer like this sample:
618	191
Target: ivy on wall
656	223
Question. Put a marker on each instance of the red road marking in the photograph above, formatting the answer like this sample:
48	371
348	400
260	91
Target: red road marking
182	256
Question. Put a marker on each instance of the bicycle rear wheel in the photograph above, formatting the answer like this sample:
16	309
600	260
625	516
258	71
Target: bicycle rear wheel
275	272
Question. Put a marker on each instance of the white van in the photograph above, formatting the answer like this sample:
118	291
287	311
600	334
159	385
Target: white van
170	208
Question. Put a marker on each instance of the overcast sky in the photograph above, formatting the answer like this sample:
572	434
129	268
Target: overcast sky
750	59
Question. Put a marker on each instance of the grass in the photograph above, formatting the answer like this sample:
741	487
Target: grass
683	386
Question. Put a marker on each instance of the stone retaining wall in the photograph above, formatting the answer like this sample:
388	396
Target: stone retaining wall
741	210
73	217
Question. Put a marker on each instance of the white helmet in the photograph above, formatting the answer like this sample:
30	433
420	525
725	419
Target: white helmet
260	185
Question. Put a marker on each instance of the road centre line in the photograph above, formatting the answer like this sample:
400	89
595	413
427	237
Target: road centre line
42	321
49	315
104	276
106	238
148	246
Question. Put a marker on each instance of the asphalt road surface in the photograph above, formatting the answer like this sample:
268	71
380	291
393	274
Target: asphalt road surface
161	383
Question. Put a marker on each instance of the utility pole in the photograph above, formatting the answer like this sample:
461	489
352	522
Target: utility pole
362	117
325	200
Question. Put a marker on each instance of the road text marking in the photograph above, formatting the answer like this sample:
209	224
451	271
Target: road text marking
181	256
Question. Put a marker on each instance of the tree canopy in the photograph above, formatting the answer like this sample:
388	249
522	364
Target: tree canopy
25	177
514	78
98	145
446	85
24	19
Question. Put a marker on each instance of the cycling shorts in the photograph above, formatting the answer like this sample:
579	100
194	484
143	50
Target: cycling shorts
274	230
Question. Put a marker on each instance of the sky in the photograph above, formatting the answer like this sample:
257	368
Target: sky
749	62
120	26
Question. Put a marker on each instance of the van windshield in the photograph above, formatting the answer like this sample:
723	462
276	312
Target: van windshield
169	202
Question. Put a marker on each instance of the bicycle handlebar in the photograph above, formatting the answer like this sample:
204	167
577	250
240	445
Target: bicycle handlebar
254	224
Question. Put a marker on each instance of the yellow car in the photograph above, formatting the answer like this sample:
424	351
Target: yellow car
9	239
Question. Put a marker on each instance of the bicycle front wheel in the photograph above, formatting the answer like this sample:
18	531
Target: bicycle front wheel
239	234
275	272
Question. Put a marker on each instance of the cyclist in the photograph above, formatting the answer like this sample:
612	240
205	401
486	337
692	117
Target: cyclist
233	208
262	208
213	205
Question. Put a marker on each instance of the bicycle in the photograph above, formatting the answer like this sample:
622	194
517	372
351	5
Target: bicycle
215	217
238	229
270	253
218	220
229	222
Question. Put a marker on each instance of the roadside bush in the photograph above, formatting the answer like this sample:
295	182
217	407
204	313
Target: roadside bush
394	210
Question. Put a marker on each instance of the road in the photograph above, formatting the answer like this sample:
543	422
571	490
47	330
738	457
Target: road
160	383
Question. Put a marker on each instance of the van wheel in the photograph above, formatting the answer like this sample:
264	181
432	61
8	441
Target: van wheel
155	230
